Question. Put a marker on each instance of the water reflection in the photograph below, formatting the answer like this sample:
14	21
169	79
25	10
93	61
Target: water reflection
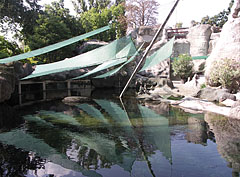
227	135
106	138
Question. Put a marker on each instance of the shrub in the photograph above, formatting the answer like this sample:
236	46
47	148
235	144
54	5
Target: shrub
183	66
225	72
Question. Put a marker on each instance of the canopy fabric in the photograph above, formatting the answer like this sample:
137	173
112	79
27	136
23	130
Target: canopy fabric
92	111
115	50
163	53
103	66
52	47
114	71
156	130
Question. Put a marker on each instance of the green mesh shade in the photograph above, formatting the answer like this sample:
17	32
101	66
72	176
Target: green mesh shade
156	131
114	71
52	47
103	66
129	49
92	111
94	57
163	53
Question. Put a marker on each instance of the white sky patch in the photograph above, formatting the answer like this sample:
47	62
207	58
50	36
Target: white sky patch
186	11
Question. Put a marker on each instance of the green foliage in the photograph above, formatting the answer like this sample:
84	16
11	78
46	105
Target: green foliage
54	25
18	12
7	48
94	19
220	19
203	86
183	66
225	72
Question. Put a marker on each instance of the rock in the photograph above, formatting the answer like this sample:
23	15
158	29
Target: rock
90	45
235	110
215	94
22	70
213	41
228	103
7	82
146	34
229	37
181	46
199	65
75	99
196	104
199	37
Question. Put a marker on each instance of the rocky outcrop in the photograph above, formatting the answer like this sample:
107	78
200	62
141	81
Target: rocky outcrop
228	46
199	37
144	34
213	41
235	110
181	46
215	94
7	82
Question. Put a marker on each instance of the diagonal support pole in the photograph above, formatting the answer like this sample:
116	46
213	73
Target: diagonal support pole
149	47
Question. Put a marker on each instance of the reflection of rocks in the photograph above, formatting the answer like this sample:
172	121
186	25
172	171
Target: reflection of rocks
8	118
227	135
197	133
160	108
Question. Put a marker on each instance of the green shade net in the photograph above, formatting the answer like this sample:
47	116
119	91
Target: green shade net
52	47
92	111
163	53
103	66
114	71
115	50
28	142
156	130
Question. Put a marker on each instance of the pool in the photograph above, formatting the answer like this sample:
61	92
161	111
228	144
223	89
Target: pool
106	137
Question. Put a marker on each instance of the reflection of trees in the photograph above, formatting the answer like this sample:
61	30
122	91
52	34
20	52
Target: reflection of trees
15	162
227	135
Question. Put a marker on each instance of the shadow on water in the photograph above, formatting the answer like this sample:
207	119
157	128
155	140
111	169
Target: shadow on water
106	137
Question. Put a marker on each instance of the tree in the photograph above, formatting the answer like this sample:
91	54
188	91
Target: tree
85	5
219	19
94	19
141	12
16	13
7	48
54	25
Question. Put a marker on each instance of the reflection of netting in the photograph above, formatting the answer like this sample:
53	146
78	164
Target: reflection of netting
116	50
53	47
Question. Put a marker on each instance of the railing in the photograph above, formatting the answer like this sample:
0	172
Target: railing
179	33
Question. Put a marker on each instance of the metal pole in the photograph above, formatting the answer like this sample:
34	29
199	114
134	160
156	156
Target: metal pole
149	47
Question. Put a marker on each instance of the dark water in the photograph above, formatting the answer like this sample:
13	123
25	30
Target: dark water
106	138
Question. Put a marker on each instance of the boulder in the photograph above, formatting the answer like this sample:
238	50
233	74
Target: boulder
199	37
228	46
146	34
7	82
22	70
181	46
215	94
213	41
235	110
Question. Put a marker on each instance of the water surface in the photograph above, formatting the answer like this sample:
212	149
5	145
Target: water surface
104	137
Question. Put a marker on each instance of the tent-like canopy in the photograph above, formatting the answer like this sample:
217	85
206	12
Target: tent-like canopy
118	49
52	47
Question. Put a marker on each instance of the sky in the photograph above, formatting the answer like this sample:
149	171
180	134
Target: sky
186	11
